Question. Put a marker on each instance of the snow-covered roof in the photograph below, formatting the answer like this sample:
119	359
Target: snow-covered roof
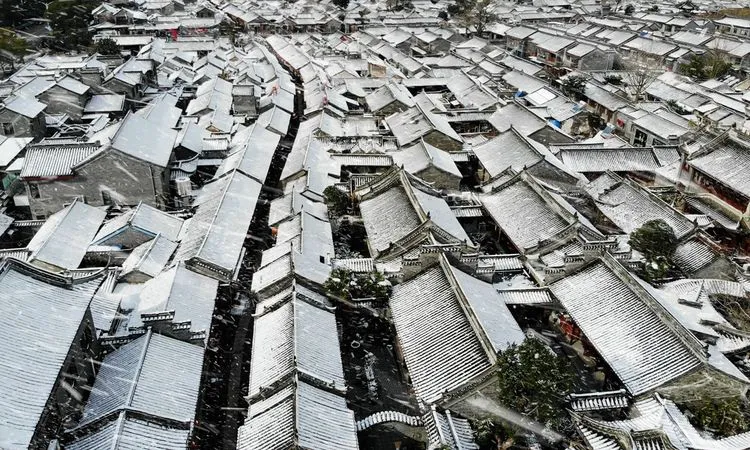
40	323
633	335
155	375
64	238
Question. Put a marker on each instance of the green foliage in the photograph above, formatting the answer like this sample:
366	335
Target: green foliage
534	381
654	8
443	15
723	416
474	13
675	108
629	10
657	242
11	43
613	79
69	20
14	12
343	4
712	64
654	239
348	285
336	200
107	47
574	85
491	434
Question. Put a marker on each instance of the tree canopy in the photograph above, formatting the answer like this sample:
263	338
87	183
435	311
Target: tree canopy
343	4
347	285
654	239
107	47
69	20
712	64
14	12
534	381
11	43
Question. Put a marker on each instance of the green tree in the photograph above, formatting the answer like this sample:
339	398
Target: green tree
574	86
723	416
69	20
14	12
711	64
343	4
629	10
12	44
613	79
337	201
535	381
345	284
654	239
107	47
478	14
489	433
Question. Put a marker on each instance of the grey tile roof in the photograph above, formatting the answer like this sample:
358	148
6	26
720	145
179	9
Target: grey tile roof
253	154
487	306
218	229
440	347
149	258
126	432
445	429
64	238
154	374
39	324
728	164
508	149
189	295
145	219
296	336
51	160
625	159
388	217
629	206
145	139
523	214
294	417
625	328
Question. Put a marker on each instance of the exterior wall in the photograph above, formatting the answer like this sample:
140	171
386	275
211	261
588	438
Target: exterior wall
78	373
62	101
119	87
596	60
22	126
129	180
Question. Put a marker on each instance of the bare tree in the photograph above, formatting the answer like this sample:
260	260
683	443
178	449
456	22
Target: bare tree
478	14
638	78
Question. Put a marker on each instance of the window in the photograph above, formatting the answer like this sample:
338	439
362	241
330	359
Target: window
8	129
33	190
640	138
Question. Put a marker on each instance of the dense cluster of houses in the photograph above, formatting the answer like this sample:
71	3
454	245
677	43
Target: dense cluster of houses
497	203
